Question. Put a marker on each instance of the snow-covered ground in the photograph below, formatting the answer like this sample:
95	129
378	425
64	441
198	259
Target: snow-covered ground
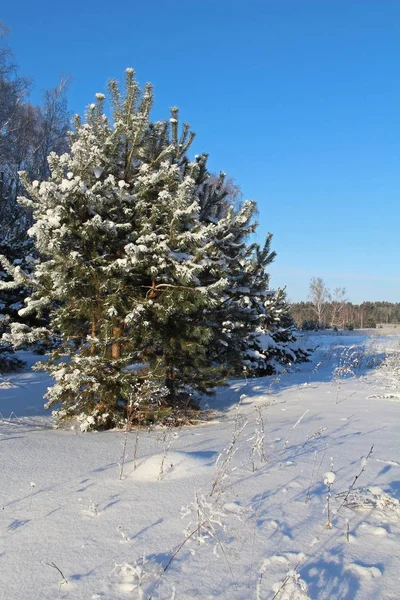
72	527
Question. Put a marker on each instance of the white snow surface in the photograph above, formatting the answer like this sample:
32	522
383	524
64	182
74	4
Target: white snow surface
72	526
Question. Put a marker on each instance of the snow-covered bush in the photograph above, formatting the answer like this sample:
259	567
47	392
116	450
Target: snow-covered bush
9	361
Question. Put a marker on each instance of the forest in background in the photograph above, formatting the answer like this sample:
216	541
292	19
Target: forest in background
352	316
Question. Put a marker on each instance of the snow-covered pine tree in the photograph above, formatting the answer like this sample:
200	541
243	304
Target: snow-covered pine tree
277	341
230	318
253	330
16	250
146	268
121	250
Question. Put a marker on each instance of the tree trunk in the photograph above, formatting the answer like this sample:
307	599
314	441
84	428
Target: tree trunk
92	349
116	346
169	383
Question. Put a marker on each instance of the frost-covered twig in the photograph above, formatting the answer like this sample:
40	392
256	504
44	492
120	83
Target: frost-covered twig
174	555
367	498
168	437
293	428
134	575
329	480
33	485
296	588
224	460
124	535
315	435
253	543
93	508
127	429
323	529
308	496
258	438
135	448
356	478
210	518
52	564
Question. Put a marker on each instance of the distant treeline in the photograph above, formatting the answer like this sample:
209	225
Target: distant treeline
352	316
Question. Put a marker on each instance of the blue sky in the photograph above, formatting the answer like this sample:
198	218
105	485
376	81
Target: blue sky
297	100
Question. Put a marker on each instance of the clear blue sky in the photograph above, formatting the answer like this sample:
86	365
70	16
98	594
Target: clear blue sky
298	100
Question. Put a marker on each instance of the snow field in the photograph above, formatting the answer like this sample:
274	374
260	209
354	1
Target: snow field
235	509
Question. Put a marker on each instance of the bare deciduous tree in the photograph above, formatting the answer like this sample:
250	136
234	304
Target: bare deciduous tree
28	134
338	303
53	128
319	296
